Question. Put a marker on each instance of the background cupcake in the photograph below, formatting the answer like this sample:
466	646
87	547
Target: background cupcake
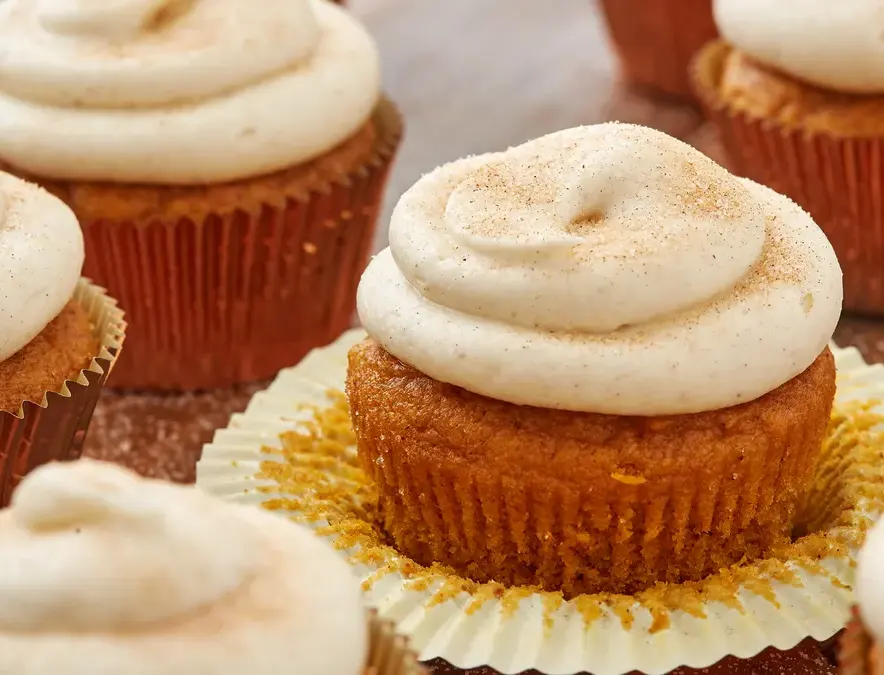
598	361
655	39
111	573
59	334
226	163
799	103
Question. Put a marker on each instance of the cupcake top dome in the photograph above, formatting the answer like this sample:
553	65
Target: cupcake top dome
107	573
606	268
179	91
836	45
41	257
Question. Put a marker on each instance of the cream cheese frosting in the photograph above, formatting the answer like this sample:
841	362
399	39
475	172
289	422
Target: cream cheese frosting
179	91
870	581
41	257
836	45
106	573
607	269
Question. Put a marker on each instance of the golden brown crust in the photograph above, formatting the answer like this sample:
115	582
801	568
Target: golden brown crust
749	87
59	353
143	203
582	502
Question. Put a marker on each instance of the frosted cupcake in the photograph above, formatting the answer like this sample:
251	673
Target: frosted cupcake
596	361
108	573
59	335
861	651
799	100
226	162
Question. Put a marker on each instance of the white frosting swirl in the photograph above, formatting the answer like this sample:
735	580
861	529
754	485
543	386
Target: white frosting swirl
870	581
179	91
608	269
41	257
830	44
106	573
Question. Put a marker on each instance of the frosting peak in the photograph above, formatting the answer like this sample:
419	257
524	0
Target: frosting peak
106	572
627	227
41	257
608	269
179	91
834	45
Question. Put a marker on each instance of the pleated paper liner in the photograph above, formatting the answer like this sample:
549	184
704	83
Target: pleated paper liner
838	180
854	649
388	652
55	427
293	451
234	295
655	39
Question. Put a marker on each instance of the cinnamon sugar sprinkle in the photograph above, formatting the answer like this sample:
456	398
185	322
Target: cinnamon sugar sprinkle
323	482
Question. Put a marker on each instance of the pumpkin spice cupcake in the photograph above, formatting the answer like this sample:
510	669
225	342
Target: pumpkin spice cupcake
798	98
860	651
596	362
107	572
226	163
59	335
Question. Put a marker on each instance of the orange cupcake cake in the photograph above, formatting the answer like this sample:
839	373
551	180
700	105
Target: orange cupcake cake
797	94
106	572
226	161
59	335
596	362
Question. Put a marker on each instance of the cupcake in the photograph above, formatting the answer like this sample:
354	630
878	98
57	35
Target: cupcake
106	573
59	334
798	99
226	163
597	361
655	39
861	651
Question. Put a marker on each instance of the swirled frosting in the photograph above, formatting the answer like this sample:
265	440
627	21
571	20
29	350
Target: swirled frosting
834	45
41	257
607	269
107	573
179	91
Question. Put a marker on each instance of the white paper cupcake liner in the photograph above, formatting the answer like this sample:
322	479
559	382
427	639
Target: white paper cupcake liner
537	632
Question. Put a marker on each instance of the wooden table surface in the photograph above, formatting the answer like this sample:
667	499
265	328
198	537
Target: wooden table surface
470	76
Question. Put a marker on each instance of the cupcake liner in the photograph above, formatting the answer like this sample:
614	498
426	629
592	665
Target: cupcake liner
293	451
656	39
238	295
836	179
853	649
55	428
389	652
623	532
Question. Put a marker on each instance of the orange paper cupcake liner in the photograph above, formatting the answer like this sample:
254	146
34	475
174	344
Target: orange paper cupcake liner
854	649
54	429
836	179
656	39
240	294
388	652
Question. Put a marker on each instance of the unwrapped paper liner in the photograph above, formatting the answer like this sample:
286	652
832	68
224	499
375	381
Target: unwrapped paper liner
512	630
656	39
55	427
836	179
237	295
